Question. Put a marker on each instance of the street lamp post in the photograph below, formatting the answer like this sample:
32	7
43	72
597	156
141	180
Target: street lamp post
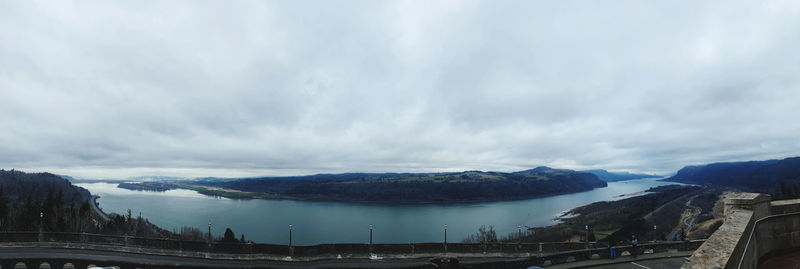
519	233
587	236
654	234
209	231
445	238
291	249
41	223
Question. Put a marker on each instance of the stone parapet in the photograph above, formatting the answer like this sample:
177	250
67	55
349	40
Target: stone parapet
758	203
785	206
725	245
724	248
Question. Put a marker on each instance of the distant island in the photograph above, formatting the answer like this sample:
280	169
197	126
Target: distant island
148	186
467	186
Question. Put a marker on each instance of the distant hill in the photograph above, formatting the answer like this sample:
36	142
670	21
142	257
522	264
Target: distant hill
753	176
467	186
34	201
28	200
617	176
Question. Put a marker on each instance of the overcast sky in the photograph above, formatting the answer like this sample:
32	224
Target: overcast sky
240	88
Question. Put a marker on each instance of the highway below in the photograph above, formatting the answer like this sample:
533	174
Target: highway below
93	203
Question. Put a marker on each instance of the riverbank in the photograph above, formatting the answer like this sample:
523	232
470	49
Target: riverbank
653	216
314	222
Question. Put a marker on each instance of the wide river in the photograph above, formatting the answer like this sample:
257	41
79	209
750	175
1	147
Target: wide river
266	221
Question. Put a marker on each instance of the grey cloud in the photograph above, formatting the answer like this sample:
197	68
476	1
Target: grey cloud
109	89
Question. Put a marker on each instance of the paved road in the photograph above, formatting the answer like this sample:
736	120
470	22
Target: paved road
97	210
647	264
654	261
108	258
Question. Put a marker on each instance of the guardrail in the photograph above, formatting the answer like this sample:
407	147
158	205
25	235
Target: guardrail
286	250
515	255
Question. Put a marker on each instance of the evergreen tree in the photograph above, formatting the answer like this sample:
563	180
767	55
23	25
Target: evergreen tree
3	210
786	192
229	236
49	212
796	192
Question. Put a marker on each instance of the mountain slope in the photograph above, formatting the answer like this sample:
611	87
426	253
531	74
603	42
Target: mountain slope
754	176
465	186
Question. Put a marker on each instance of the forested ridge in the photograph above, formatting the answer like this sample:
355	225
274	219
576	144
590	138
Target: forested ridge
31	202
780	178
416	187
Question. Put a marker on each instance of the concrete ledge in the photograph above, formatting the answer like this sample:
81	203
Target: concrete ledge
785	206
758	203
725	243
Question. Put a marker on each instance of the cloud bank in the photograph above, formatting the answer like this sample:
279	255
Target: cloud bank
187	88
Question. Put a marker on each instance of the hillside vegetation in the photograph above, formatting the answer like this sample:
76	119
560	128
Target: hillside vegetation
23	197
616	221
465	186
780	178
50	203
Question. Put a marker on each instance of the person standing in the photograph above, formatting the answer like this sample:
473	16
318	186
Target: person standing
634	245
612	249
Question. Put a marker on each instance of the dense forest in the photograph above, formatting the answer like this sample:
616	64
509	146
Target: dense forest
780	178
466	186
31	201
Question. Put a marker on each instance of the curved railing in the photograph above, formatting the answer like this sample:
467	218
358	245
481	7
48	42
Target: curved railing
769	235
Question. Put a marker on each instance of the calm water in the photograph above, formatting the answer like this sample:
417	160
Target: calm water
266	221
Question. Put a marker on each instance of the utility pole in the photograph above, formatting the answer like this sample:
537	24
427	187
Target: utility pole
370	236
519	233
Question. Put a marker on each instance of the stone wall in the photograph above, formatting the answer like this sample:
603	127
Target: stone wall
785	206
771	235
755	228
724	248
